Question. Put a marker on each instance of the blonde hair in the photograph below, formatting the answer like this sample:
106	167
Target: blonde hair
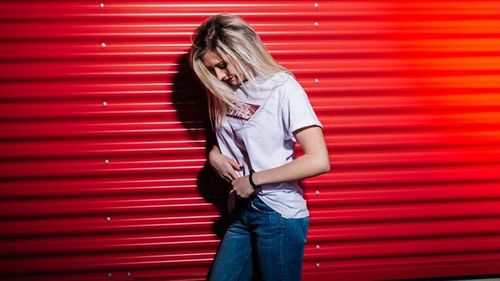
238	44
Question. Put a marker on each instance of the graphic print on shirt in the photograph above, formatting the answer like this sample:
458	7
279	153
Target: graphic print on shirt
245	113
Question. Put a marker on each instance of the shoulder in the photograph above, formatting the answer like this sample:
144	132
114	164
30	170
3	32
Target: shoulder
282	78
284	83
287	86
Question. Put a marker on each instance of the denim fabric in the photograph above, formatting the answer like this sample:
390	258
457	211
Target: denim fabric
261	244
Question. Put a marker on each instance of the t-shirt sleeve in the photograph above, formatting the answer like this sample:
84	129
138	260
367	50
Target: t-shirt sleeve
296	110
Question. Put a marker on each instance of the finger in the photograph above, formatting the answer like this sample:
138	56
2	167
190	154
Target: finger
235	164
227	178
224	176
243	195
233	175
238	193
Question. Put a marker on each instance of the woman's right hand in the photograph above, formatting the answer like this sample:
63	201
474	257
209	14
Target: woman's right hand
223	165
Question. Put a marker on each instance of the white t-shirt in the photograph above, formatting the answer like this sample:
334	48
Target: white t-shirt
261	136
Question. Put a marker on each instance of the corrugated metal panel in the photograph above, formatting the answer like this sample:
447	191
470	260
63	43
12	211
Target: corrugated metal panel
103	142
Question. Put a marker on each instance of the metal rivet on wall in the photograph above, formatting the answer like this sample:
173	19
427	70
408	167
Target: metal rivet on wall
316	80
108	219
104	103
316	5
101	5
317	246
316	23
106	161
317	265
103	45
317	192
129	274
110	274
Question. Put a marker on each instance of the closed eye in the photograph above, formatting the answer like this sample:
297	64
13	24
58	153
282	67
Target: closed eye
221	65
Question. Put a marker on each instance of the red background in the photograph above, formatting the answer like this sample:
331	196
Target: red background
103	139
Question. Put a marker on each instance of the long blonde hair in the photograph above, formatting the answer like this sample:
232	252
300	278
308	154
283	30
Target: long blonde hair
238	44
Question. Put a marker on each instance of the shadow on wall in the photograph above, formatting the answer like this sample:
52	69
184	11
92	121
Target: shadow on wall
190	103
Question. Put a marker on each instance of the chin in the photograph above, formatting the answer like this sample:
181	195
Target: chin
236	82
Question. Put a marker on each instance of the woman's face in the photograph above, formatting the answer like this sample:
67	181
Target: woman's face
223	70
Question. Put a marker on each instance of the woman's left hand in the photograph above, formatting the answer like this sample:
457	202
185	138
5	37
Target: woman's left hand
242	187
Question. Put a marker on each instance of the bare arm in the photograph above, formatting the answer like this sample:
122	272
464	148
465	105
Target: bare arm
315	161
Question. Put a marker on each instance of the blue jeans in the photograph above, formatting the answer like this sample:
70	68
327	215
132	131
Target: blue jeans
261	244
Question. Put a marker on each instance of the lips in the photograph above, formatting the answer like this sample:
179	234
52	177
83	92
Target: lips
230	79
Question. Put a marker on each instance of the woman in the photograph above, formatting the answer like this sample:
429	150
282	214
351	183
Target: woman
258	111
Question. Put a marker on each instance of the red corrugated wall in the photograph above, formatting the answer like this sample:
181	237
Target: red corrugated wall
103	140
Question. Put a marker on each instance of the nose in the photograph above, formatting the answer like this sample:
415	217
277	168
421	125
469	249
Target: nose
220	74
